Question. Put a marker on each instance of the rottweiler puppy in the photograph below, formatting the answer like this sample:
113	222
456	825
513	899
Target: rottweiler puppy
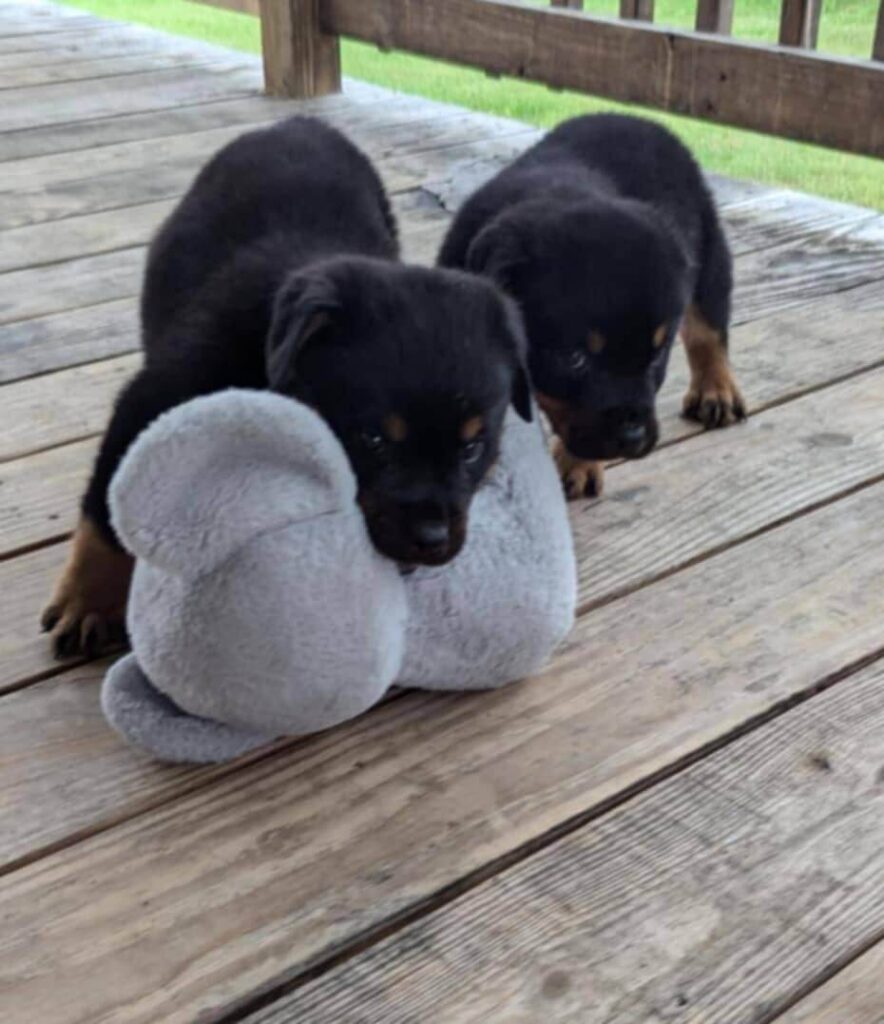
607	236
278	270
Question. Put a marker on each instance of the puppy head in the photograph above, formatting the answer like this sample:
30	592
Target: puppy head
602	287
413	369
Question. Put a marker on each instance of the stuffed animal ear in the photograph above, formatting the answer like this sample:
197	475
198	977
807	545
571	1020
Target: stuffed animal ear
210	475
304	310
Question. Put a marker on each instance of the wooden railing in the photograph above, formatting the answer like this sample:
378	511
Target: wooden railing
785	89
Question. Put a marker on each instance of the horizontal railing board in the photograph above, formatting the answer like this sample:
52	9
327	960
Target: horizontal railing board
827	100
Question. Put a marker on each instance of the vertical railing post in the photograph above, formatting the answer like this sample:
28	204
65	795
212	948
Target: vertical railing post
300	60
715	16
878	44
800	23
638	10
574	5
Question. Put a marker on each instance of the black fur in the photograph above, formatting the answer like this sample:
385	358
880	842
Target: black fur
278	270
604	226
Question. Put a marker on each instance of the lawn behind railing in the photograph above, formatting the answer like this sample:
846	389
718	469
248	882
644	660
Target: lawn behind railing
846	28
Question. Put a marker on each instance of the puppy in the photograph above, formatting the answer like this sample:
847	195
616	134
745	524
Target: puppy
607	236
277	270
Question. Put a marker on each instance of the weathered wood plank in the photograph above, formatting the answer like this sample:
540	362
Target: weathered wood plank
820	99
26	582
55	723
65	102
39	496
53	187
640	10
426	790
716	896
70	338
301	59
61	407
854	996
85	70
791	275
201	115
780	462
75	284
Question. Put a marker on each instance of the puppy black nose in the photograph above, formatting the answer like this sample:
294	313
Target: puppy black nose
632	437
431	534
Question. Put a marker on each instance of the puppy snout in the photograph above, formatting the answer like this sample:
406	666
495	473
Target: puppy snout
632	437
431	535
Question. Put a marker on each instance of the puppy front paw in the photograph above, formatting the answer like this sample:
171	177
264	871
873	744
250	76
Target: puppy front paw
86	613
580	478
714	399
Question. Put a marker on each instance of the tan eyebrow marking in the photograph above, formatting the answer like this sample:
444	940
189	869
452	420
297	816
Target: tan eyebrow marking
660	335
596	342
395	427
471	428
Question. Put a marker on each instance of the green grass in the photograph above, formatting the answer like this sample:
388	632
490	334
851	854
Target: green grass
846	28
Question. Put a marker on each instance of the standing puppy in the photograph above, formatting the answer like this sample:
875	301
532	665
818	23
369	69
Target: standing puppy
606	234
277	270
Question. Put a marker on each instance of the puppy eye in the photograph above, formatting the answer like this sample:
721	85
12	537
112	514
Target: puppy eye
372	440
472	450
577	360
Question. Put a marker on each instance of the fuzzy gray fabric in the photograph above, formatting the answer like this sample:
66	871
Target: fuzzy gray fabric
259	607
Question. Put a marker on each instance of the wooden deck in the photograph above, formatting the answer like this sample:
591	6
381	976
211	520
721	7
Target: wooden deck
681	821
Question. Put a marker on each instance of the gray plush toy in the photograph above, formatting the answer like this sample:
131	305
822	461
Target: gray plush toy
259	607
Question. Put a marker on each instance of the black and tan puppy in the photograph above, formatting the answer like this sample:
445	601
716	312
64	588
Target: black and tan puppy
606	234
278	270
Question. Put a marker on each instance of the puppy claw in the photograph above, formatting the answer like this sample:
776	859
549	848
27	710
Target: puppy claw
86	612
714	409
580	479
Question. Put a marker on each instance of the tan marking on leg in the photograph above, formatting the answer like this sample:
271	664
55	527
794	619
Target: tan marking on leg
88	607
580	478
713	397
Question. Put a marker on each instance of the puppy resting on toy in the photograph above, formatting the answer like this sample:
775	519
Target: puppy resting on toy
606	234
260	608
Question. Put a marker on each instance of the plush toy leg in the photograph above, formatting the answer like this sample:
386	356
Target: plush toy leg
150	721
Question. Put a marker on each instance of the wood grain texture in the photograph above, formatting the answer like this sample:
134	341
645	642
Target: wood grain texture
799	95
117	176
60	340
301	59
62	102
25	583
692	498
39	496
86	70
184	117
714	897
62	407
235	885
854	996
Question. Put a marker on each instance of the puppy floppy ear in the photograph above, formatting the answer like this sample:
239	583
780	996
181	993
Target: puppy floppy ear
497	252
515	328
304	310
